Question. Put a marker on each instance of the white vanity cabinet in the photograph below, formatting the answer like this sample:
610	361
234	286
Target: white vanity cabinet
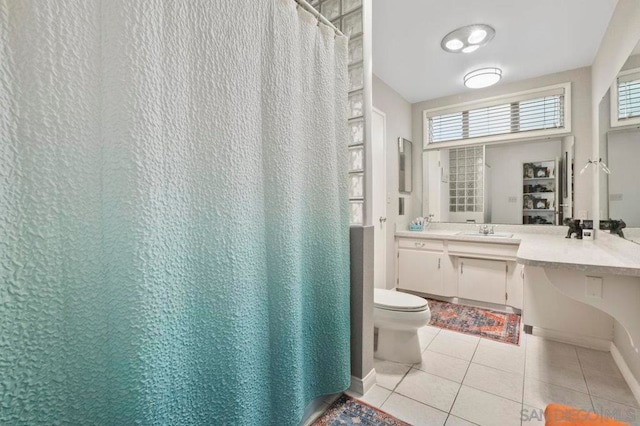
484	280
471	270
420	271
420	265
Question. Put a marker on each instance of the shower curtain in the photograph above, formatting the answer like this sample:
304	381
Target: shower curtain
173	212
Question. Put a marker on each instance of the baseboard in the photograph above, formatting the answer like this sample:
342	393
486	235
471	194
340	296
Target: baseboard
362	386
573	339
626	372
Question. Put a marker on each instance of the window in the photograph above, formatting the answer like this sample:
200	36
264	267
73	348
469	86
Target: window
527	114
625	99
466	179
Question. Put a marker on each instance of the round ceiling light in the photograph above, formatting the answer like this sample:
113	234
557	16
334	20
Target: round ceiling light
468	39
454	44
484	77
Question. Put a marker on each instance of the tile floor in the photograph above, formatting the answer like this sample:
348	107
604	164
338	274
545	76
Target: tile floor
466	380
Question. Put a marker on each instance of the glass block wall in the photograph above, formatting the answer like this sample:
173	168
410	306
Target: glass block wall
348	17
466	179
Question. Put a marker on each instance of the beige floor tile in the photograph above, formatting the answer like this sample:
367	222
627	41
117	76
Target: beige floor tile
612	388
516	349
616	411
457	421
560	362
461	336
555	374
486	409
389	374
500	359
539	394
426	335
532	416
429	389
455	347
502	383
413	412
376	396
540	347
443	365
598	362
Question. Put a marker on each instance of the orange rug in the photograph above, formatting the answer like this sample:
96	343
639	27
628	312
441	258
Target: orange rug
465	319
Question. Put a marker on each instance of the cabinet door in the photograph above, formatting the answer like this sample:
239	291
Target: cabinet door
484	280
420	271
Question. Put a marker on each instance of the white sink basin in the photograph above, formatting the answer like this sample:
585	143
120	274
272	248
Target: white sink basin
494	235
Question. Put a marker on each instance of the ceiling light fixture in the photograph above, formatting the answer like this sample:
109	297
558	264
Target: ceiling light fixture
484	77
454	44
468	39
477	36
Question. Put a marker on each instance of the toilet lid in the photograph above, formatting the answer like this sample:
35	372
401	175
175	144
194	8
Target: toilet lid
398	301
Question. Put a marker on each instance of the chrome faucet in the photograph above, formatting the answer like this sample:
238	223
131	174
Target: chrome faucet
486	229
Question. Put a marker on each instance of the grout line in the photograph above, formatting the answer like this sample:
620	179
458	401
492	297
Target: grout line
420	402
462	382
495	394
584	377
403	377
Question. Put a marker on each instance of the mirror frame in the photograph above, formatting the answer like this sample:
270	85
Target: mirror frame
405	166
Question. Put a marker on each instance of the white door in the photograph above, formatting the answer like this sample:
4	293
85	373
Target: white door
420	271
484	280
379	194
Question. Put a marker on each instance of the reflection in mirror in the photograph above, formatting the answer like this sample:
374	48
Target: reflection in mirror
405	160
619	123
516	183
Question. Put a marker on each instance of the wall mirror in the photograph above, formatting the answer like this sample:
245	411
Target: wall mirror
405	166
526	182
619	168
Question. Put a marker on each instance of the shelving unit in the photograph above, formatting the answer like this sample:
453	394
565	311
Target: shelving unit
540	190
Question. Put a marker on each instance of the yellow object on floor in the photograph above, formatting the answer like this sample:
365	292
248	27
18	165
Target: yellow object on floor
563	415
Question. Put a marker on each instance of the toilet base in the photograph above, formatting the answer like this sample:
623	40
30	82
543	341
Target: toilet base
399	346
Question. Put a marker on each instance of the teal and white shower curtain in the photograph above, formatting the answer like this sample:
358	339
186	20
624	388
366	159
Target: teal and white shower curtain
173	212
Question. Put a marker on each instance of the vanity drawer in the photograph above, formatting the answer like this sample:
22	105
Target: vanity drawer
483	250
421	244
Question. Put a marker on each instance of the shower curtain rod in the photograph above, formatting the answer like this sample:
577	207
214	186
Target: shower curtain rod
318	15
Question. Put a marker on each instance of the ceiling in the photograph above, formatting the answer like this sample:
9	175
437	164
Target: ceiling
533	38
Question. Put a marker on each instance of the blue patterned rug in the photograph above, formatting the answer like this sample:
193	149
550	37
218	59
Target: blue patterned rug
349	411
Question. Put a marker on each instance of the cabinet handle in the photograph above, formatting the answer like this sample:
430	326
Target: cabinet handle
419	244
461	267
438	263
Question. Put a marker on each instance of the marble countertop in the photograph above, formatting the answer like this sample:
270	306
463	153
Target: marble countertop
607	254
457	236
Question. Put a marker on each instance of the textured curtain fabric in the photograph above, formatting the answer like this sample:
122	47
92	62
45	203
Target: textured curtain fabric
173	212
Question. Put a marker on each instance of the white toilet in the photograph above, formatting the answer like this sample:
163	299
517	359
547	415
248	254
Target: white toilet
398	316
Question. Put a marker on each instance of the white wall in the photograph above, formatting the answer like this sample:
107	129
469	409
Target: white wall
505	169
629	350
398	112
581	119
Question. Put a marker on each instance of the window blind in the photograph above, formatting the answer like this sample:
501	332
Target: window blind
517	116
629	96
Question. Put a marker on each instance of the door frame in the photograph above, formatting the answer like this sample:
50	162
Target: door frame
375	220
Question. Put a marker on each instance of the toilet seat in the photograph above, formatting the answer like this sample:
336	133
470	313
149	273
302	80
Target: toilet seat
398	301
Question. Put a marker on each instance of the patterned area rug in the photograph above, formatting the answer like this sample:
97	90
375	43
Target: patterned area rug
348	411
476	321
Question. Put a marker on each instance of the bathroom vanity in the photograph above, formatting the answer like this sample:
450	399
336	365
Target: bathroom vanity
458	264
